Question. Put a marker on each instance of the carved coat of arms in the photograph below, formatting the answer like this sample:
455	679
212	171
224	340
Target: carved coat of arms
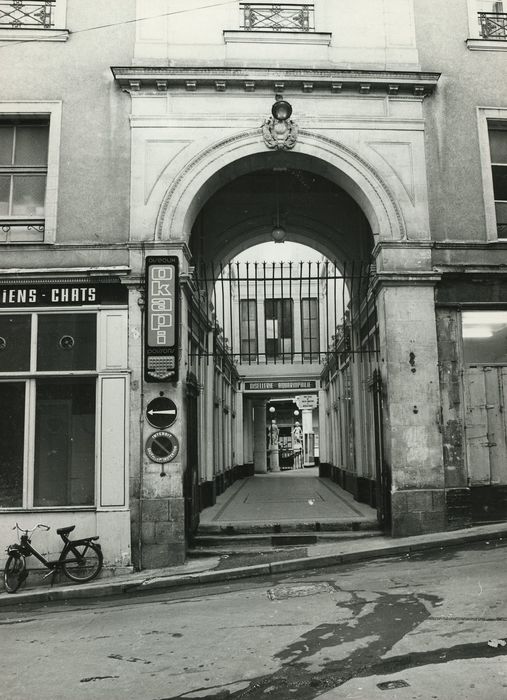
279	131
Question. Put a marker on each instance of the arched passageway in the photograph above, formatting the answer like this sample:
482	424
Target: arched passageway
286	350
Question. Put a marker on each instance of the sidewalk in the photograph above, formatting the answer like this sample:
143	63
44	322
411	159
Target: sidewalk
213	569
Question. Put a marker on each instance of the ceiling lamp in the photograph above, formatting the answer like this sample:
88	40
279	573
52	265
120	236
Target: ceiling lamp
278	233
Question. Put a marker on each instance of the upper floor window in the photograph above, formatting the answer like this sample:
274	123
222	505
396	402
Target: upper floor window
492	20
498	149
248	329
279	327
310	329
29	163
23	172
33	20
277	17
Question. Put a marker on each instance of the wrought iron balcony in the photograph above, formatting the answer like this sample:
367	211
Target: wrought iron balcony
493	25
20	14
270	17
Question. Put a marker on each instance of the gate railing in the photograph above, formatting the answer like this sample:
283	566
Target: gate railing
20	14
493	25
287	312
277	17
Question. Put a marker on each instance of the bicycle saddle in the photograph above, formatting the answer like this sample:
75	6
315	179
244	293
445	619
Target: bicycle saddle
65	530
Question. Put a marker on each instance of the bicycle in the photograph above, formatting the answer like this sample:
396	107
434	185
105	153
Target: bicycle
80	560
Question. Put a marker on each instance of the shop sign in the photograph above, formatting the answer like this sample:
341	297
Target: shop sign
162	447
280	386
161	327
161	412
50	295
307	401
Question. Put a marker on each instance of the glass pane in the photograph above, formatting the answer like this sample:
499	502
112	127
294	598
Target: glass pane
64	466
28	195
5	188
66	342
31	145
500	181
498	145
6	141
12	439
485	336
15	342
501	212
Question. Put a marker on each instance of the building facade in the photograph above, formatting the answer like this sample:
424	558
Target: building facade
161	138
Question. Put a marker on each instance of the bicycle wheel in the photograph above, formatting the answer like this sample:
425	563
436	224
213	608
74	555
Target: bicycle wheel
14	572
82	562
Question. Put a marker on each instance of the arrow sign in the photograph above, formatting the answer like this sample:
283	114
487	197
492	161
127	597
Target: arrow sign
161	412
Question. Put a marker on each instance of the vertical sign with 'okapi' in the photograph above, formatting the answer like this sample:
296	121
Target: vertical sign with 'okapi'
162	319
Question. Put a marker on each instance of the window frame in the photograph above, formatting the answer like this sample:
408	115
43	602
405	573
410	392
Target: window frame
36	111
485	116
475	41
30	377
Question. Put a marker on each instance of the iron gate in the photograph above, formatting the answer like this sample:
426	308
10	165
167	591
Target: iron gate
281	312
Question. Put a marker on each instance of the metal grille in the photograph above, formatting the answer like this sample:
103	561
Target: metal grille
27	15
285	312
493	25
277	17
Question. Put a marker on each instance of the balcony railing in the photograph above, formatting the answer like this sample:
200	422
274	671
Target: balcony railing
19	14
278	17
493	25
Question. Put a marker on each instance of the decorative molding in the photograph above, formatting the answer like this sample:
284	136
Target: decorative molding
415	83
22	35
375	181
238	36
485	45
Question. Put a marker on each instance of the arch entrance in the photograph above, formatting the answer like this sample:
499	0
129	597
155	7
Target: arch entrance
282	340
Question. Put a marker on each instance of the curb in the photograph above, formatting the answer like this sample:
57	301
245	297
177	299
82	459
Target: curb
207	577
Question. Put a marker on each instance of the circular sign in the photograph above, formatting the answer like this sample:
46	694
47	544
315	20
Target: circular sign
161	412
162	447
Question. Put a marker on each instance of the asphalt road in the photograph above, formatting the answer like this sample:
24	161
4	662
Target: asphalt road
429	627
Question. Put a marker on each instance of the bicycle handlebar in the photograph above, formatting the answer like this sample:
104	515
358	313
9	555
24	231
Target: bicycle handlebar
24	529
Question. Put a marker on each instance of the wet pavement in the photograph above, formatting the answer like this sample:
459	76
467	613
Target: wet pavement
425	626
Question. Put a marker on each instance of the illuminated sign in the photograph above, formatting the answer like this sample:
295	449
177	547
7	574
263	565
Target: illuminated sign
161	327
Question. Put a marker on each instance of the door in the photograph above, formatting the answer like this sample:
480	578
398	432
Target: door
485	424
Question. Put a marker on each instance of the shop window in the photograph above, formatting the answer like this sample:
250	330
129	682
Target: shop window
15	340
51	464
485	337
12	437
64	467
279	328
310	329
248	329
498	151
66	342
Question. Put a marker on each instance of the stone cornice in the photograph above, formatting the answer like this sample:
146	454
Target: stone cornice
161	79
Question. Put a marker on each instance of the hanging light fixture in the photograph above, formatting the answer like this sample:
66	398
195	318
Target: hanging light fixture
278	233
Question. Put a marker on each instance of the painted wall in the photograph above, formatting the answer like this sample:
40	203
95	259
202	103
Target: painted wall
374	34
470	78
93	186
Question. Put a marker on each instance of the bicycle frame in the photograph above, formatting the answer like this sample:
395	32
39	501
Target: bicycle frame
26	549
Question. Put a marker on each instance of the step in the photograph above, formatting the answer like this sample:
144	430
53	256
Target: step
290	539
291	527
